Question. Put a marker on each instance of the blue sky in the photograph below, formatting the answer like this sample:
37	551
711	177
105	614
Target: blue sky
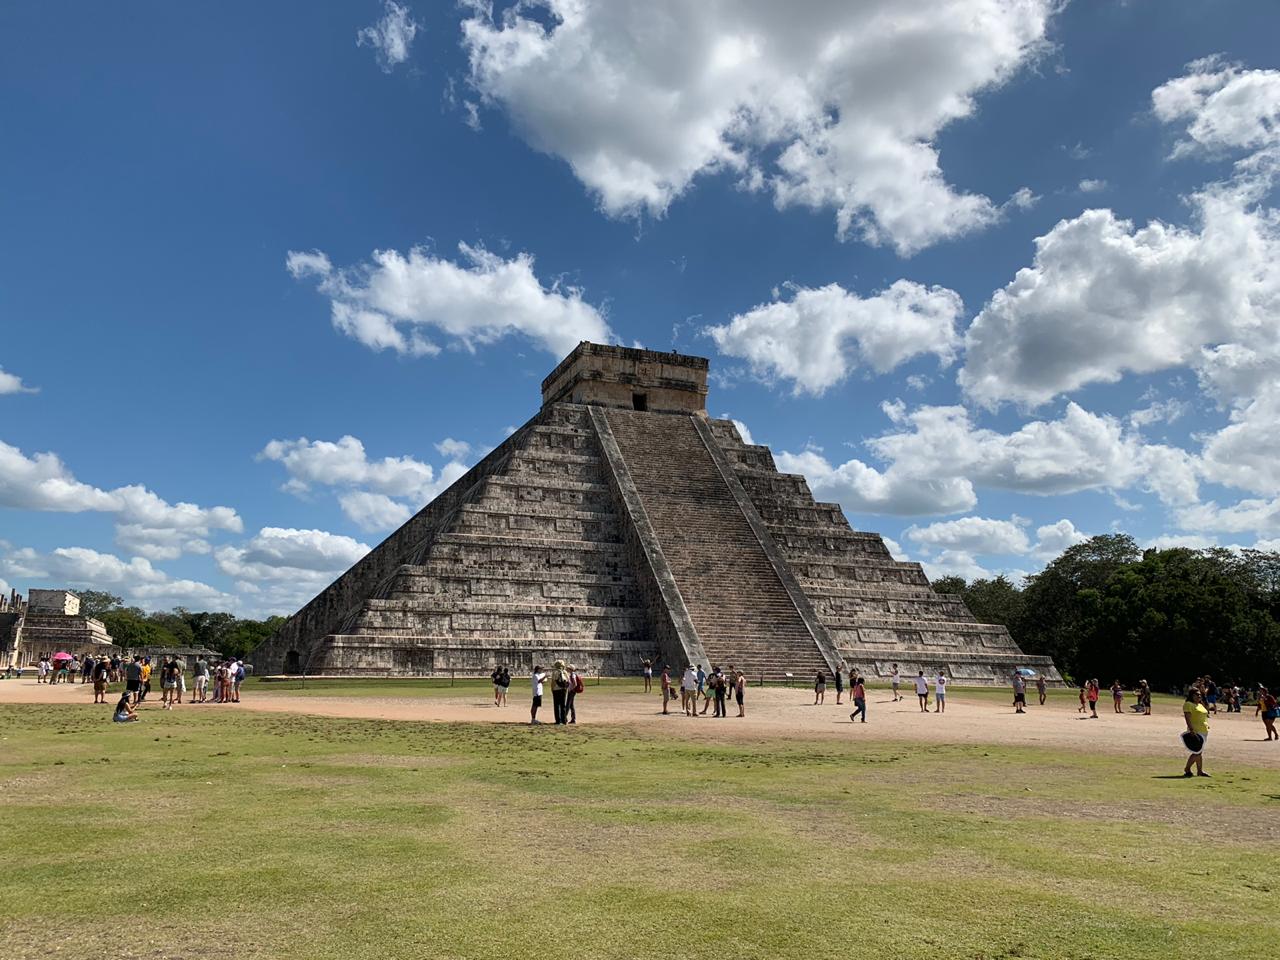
831	204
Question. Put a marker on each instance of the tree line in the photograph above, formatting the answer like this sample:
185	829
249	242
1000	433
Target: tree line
1106	608
179	627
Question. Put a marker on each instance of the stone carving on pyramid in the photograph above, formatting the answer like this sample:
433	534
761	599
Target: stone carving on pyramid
622	524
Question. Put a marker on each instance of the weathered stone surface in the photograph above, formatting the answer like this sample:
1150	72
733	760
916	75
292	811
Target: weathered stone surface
621	524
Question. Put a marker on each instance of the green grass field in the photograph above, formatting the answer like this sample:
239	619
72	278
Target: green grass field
255	835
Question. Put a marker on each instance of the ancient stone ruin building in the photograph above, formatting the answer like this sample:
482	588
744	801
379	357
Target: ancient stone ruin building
48	622
621	523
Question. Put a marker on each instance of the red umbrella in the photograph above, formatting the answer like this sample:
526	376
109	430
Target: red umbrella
62	656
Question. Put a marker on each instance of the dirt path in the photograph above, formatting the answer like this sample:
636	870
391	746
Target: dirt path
774	713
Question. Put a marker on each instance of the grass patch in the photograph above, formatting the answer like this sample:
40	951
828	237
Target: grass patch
324	838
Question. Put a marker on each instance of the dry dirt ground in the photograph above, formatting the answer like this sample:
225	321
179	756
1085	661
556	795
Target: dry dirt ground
774	713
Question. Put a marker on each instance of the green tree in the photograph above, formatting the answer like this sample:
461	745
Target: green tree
995	601
951	584
94	603
130	627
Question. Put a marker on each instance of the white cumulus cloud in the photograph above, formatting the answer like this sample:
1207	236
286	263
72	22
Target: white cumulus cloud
819	336
12	383
847	98
398	301
1224	106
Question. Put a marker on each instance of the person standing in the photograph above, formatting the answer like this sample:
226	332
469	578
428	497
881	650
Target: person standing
667	694
858	694
504	684
839	682
940	692
820	688
1117	696
169	683
1093	699
1196	715
100	672
647	665
133	679
42	670
1267	709
719	687
740	692
1019	693
86	669
559	691
535	681
575	688
1144	697
1041	688
922	691
237	678
896	680
702	689
200	672
146	679
1083	708
1210	694
689	692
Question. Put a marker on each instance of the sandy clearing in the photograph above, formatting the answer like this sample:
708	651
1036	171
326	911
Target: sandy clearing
773	714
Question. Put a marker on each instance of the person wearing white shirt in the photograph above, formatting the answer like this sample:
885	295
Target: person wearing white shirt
940	693
922	691
536	682
689	691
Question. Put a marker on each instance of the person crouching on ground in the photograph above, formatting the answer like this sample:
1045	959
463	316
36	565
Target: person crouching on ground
535	681
1197	733
858	693
125	712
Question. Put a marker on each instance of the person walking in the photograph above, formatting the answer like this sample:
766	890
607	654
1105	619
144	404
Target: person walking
648	674
1210	690
667	694
895	680
1093	699
535	681
1041	688
146	679
839	682
1117	696
1083	708
1196	715
820	688
504	685
1019	693
940	693
1267	710
922	691
858	694
740	692
575	687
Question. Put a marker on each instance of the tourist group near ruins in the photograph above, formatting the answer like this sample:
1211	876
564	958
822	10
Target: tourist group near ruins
620	531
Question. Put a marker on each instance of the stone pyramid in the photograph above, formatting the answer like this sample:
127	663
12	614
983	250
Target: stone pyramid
622	524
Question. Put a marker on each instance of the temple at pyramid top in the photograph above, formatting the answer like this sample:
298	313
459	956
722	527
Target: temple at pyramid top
646	380
622	524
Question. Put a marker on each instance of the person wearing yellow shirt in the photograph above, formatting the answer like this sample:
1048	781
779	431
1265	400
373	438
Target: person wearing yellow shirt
1197	716
146	678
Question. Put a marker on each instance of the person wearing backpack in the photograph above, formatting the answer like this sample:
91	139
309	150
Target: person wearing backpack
575	688
560	692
